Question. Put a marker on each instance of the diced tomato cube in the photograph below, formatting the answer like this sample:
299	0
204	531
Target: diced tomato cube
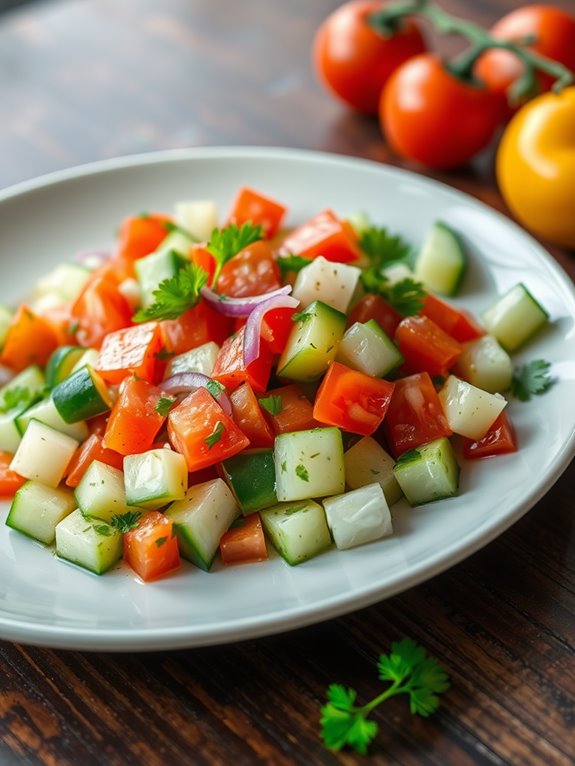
92	449
455	322
100	309
134	421
30	340
250	205
132	351
10	481
245	542
500	439
426	347
151	548
375	307
324	234
295	413
252	271
200	324
231	370
250	418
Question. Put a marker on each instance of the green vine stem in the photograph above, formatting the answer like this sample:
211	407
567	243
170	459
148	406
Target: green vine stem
387	19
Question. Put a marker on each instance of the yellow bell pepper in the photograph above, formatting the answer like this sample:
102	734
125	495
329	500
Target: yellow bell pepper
535	166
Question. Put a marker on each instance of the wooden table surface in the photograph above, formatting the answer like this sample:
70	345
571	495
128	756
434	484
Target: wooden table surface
82	80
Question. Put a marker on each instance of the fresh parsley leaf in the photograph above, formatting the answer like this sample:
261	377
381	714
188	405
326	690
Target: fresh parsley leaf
126	521
409	670
302	472
381	247
227	242
175	295
215	388
272	404
406	296
532	379
160	541
163	405
19	396
102	529
216	434
291	263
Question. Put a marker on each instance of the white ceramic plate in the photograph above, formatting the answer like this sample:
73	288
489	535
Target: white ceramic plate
45	601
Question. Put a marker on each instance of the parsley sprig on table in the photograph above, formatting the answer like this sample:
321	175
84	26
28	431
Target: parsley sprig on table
409	670
226	242
175	295
531	379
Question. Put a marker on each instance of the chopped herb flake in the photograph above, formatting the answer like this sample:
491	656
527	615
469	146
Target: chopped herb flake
302	472
164	404
272	404
216	434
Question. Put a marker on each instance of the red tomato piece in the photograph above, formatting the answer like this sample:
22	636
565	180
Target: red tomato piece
195	327
455	322
324	234
277	325
92	449
100	309
296	413
252	271
204	259
151	548
231	370
10	481
30	340
250	418
377	308
352	400
500	439
134	420
200	429
140	235
60	320
415	415
132	351
250	205
425	346
245	542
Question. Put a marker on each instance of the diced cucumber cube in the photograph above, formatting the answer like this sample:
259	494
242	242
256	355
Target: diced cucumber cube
201	518
367	462
441	262
90	543
201	359
153	269
514	318
312	343
81	395
251	476
46	412
297	531
358	517
88	359
10	436
37	509
485	364
326	281
101	492
61	363
428	473
367	348
199	217
469	410
29	383
155	478
309	464
43	454
66	279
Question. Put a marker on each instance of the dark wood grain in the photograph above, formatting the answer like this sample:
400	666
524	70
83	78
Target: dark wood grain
82	80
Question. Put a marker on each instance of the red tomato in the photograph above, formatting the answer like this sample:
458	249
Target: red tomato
499	440
277	325
30	340
455	322
134	421
252	271
425	346
231	370
202	432
195	327
354	61
245	542
430	116
92	449
250	205
132	351
151	548
249	417
554	33
100	309
10	481
326	235
352	400
296	413
415	415
377	308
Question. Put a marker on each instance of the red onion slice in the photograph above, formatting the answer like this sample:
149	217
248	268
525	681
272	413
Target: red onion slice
187	382
253	329
239	307
92	258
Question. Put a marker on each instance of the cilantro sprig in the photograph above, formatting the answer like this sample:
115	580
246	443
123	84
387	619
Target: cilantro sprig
124	522
381	247
409	670
272	404
291	262
228	241
175	295
164	405
531	379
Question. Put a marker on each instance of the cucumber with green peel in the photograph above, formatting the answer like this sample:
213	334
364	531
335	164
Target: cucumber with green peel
201	359
101	492
61	363
298	531
441	262
6	315
155	478
251	476
428	473
153	269
90	543
312	343
309	464
367	348
469	410
367	462
45	411
485	364
358	517
36	510
28	385
43	454
514	318
10	436
332	283
82	395
201	518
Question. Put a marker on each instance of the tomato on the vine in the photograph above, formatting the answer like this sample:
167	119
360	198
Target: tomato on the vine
354	61
435	118
554	33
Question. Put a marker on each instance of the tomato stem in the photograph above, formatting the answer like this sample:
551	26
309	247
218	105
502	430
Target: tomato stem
385	21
